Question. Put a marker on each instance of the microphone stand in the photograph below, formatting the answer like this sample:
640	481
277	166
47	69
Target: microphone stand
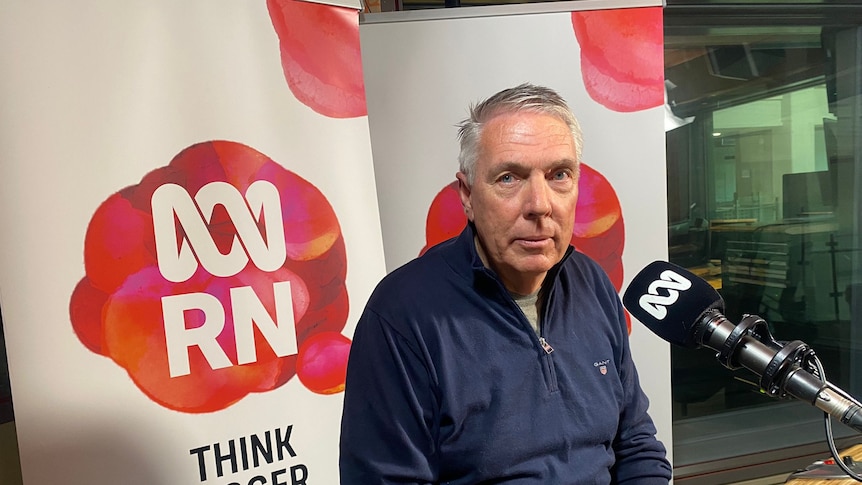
830	439
781	376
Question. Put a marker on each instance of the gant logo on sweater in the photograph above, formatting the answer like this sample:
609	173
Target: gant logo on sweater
602	366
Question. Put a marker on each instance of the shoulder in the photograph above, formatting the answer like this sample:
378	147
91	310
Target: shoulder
581	267
589	288
417	283
417	273
413	303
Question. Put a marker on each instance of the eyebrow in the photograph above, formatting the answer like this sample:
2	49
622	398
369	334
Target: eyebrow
512	166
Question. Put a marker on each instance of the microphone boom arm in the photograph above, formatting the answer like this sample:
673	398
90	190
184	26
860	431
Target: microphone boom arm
750	345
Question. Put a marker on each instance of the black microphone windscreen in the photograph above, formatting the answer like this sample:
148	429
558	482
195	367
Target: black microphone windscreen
670	301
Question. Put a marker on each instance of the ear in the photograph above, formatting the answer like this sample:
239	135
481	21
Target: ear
464	191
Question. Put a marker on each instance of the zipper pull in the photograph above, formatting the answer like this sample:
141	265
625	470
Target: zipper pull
546	345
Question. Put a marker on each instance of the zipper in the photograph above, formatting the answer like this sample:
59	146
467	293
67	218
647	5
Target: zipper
547	362
548	359
543	317
546	345
542	341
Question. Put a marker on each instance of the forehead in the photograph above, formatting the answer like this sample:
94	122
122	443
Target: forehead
526	135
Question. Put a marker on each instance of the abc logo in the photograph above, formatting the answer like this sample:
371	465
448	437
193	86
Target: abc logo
218	275
655	303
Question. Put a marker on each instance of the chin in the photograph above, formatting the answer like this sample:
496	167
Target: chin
539	265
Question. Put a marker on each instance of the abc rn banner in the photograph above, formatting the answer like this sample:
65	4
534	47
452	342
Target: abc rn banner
605	57
190	233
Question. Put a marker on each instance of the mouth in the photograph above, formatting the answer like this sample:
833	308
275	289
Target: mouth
534	241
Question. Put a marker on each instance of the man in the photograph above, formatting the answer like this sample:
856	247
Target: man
501	356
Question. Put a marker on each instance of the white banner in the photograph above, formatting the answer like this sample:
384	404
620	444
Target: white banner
190	233
423	69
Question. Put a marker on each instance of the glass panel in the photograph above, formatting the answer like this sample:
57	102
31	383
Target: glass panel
763	185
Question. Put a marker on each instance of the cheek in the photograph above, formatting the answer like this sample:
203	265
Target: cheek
566	211
492	224
495	211
483	207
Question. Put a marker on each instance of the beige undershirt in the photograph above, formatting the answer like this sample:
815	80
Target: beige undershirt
529	303
530	306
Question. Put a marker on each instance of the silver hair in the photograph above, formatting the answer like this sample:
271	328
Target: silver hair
522	98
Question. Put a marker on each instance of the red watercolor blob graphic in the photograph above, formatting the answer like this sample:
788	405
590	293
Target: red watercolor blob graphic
116	309
320	55
598	206
599	230
322	362
622	56
446	217
121	243
87	304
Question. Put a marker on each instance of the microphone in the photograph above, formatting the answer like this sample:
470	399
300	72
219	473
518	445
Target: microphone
685	310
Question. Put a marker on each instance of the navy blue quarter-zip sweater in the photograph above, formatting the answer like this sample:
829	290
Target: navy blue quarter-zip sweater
447	382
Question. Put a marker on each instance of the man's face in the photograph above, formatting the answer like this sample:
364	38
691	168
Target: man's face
522	200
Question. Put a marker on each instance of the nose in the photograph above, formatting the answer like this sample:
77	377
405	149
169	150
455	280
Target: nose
538	202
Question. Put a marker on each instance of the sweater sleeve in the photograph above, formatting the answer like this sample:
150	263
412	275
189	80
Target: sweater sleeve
388	426
640	457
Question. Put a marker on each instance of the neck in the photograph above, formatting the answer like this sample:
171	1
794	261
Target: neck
519	283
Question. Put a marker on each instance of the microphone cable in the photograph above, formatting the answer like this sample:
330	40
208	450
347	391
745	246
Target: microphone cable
819	372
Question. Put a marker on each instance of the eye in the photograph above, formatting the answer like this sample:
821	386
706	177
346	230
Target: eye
506	178
561	175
